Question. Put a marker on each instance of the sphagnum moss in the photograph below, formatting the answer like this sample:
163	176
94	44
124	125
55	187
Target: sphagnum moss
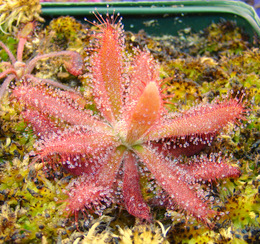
14	13
30	208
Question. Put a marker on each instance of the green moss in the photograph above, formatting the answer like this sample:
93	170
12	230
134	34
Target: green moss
67	33
11	43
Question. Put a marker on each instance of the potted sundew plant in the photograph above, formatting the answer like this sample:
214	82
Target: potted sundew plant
113	133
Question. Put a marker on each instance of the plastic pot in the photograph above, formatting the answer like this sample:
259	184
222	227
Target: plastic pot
158	18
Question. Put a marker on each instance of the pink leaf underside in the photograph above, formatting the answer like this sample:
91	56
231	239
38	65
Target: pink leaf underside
173	183
75	64
132	195
47	101
89	190
20	49
145	113
107	68
207	119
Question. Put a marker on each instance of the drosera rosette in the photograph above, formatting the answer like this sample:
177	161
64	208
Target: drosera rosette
132	125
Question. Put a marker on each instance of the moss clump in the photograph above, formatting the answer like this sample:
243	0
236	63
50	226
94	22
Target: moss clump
100	233
30	207
13	13
67	33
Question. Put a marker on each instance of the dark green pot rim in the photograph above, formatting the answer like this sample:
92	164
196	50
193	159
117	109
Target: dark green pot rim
248	18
